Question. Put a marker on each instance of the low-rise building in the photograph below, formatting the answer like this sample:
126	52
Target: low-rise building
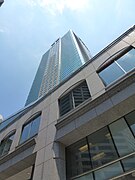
83	129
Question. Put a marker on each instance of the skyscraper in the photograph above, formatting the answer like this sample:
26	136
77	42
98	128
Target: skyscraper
64	57
82	130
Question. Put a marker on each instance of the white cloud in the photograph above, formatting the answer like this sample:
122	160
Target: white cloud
58	6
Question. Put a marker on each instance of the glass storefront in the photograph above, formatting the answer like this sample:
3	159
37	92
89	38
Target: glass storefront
101	148
109	171
79	158
123	137
105	154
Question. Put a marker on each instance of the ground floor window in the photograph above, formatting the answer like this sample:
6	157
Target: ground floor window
104	154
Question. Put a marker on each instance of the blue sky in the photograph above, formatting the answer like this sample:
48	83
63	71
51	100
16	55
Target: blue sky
29	27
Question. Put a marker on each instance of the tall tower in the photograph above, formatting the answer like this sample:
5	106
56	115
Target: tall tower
64	57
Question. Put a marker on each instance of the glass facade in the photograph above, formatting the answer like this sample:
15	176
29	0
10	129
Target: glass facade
104	154
6	144
79	158
101	148
35	88
131	121
74	98
128	163
118	68
70	57
108	172
30	129
66	55
51	69
123	137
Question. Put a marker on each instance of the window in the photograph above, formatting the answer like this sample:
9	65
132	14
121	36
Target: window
109	171
78	158
101	148
74	98
131	121
103	154
123	137
30	129
118	67
6	144
129	163
91	152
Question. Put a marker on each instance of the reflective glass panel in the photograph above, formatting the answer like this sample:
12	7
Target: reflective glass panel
74	98
70	57
34	126
131	120
2	144
77	158
108	172
123	137
129	163
65	104
81	93
127	62
25	133
6	144
30	129
78	96
111	73
101	148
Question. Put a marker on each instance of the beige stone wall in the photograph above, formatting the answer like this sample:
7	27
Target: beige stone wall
50	159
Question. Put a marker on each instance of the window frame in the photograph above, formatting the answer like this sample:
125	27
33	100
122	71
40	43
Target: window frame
70	92
29	122
113	59
4	141
122	160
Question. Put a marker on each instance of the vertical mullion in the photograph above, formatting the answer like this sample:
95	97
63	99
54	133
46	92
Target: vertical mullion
90	156
120	67
129	126
113	141
82	94
72	99
89	152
